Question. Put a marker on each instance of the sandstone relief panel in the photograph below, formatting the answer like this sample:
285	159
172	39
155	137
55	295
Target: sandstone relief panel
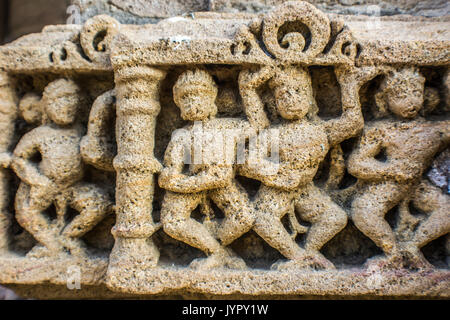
278	154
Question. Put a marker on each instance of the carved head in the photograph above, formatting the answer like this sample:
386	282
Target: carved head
61	100
293	92
195	93
402	92
32	110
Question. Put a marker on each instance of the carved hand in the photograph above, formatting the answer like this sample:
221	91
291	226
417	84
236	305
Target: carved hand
29	173
251	80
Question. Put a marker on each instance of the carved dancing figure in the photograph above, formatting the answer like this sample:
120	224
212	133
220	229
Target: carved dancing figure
407	144
56	178
195	93
304	142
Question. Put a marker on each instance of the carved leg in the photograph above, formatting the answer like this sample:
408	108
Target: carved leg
177	222
29	208
175	217
326	217
431	200
368	213
436	204
239	212
93	204
271	205
137	90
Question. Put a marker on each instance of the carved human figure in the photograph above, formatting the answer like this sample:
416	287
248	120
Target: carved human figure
391	157
434	203
304	142
211	178
56	178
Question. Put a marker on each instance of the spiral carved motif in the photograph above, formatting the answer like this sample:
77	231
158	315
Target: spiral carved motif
296	46
95	37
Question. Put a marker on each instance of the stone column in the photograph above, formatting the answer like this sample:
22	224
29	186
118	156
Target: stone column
8	114
137	90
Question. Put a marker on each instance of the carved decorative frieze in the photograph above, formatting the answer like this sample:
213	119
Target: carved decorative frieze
285	153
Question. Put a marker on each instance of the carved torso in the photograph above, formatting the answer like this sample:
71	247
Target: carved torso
60	150
410	145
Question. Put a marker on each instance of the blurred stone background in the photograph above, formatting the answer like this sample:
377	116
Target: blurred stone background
19	17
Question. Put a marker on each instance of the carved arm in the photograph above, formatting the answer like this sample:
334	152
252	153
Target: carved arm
172	178
25	169
253	106
351	121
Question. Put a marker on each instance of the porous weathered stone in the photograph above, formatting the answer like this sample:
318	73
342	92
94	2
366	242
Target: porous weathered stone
285	153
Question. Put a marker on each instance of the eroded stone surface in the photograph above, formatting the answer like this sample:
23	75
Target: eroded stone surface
285	153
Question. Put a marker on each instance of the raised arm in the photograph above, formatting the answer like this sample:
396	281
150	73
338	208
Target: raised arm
22	166
253	106
351	121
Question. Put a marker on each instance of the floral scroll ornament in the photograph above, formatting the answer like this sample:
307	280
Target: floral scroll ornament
88	48
96	36
296	33
306	32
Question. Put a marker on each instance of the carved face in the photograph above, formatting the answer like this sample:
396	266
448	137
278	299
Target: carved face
292	103
61	108
197	106
406	100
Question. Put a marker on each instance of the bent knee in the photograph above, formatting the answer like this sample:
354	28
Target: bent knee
172	222
359	217
336	219
340	219
24	216
246	218
360	211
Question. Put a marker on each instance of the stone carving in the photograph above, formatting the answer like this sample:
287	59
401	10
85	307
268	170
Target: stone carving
57	178
195	94
245	151
397	177
305	141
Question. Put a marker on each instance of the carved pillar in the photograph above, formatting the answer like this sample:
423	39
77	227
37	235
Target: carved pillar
8	114
137	90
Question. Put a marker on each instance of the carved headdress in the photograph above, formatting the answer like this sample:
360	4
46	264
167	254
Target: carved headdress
198	81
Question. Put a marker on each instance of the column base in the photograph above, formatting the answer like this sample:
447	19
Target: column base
133	252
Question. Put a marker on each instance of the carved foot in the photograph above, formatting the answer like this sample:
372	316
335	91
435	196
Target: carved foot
40	251
315	261
204	264
414	259
383	262
234	262
219	260
321	262
76	247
